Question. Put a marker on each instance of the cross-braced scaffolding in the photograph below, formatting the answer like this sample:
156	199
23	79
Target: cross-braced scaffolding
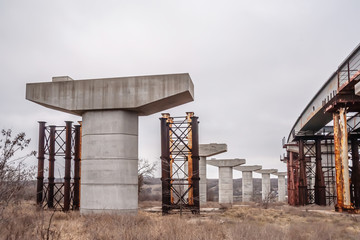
63	144
180	163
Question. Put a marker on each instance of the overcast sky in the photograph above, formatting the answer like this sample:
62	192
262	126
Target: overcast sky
255	64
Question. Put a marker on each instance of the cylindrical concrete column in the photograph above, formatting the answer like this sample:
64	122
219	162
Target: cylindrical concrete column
225	185
247	186
281	188
202	182
265	184
109	179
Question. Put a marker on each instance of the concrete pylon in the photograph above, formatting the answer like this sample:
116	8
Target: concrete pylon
226	190
247	181
207	150
281	185
110	108
265	182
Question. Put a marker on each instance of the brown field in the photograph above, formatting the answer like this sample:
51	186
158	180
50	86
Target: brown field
251	221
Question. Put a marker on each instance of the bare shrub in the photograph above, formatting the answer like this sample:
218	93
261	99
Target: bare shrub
14	174
145	169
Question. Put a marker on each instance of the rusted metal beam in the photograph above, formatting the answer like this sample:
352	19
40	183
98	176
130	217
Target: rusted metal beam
302	175
320	194
41	157
51	167
341	161
344	158
77	150
165	164
189	116
355	176
291	179
195	163
67	177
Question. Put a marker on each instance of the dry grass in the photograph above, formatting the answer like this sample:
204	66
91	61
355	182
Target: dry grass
239	222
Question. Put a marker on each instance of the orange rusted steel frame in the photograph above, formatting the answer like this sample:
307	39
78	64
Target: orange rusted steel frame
320	194
189	115
303	199
338	166
341	161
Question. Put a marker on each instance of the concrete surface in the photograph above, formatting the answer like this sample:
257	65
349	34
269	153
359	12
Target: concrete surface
206	150
143	94
109	162
226	190
247	181
281	185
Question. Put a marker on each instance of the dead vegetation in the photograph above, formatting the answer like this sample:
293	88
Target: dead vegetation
24	221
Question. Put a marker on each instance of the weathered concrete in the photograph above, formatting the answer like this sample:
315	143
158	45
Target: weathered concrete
110	109
142	94
247	181
211	149
265	182
109	163
281	185
207	150
226	190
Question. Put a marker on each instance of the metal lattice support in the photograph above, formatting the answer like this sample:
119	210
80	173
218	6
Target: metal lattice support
60	144
180	163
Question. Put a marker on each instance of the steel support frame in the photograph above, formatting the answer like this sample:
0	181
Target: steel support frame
180	147
58	195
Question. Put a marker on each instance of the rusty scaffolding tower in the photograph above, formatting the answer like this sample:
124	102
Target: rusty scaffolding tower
180	163
63	144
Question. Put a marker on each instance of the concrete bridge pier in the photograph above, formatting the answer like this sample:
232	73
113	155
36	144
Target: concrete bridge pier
265	182
281	185
247	181
207	150
226	190
110	108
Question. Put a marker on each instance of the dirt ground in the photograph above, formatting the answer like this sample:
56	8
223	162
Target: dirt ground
239	221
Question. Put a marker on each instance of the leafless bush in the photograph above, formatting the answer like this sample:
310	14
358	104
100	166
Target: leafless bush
145	169
14	174
269	199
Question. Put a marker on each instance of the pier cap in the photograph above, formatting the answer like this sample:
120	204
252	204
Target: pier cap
226	162
271	171
211	149
248	168
142	94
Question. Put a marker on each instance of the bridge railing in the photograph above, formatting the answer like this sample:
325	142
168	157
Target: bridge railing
349	68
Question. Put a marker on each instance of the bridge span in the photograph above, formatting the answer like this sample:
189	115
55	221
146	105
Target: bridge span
321	169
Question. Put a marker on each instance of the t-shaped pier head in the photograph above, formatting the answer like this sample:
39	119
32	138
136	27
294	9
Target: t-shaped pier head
226	189
110	108
281	185
247	181
265	182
